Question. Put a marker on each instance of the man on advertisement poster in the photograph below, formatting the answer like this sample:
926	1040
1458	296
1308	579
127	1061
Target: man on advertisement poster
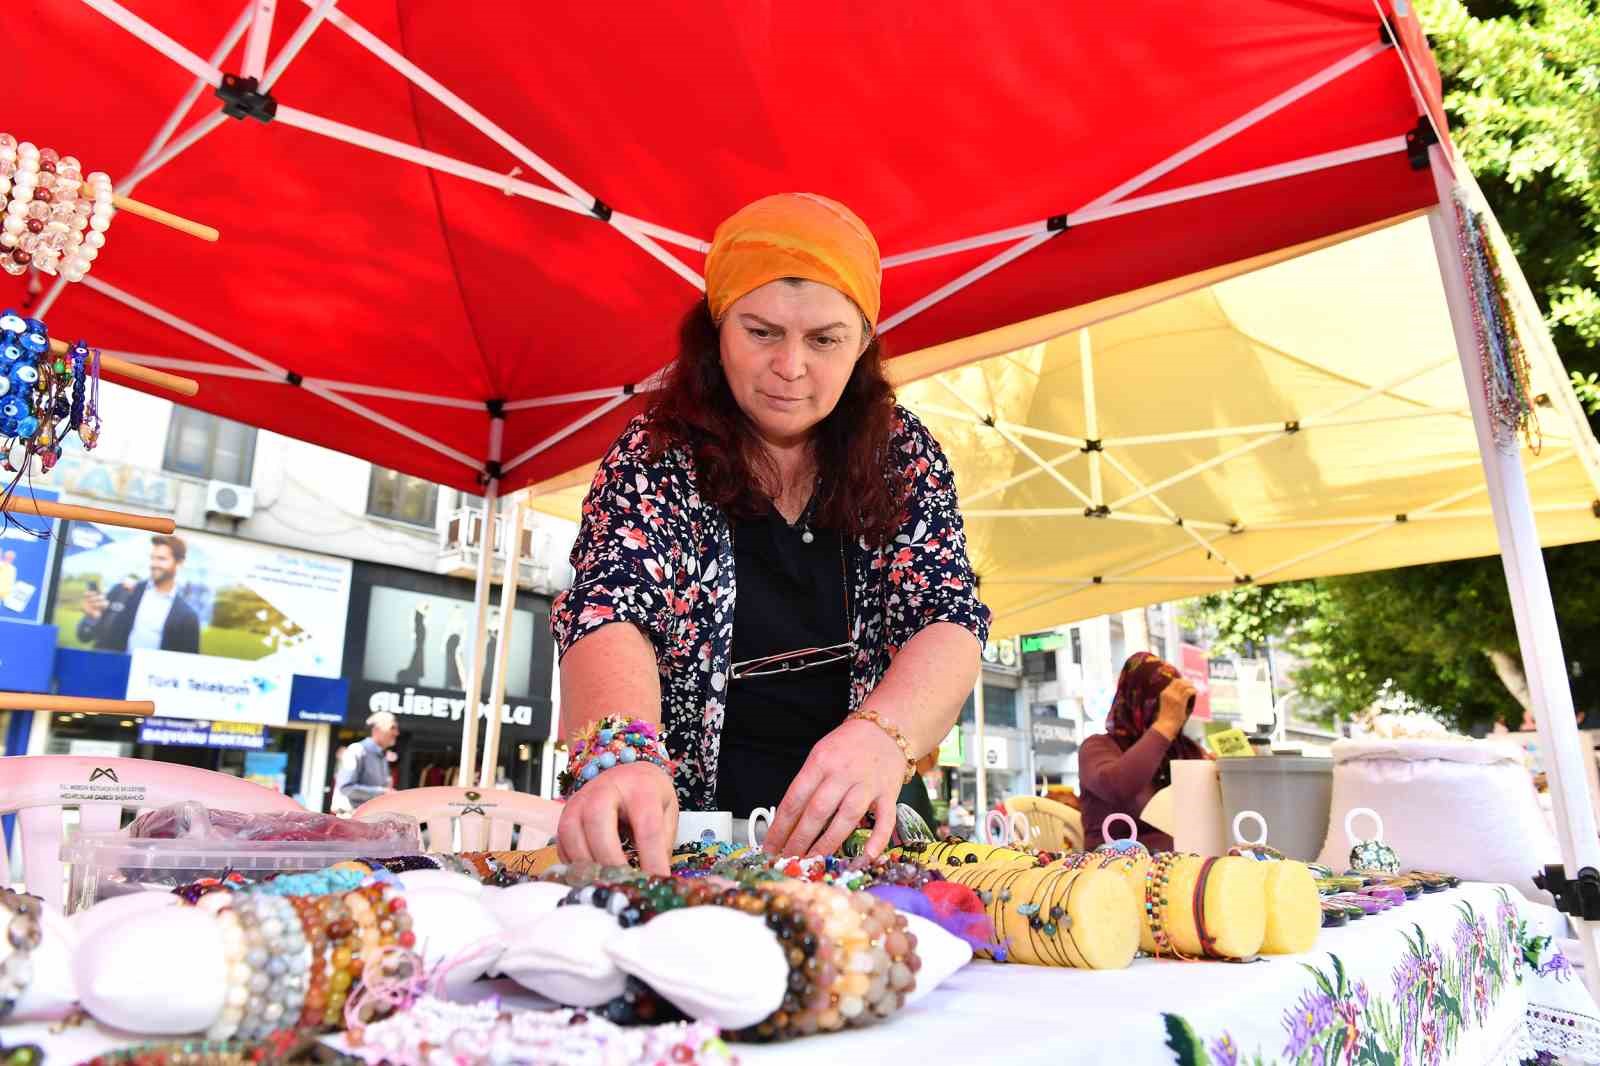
143	614
224	598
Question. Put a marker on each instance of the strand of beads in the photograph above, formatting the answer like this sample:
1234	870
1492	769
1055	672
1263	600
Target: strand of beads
613	741
50	223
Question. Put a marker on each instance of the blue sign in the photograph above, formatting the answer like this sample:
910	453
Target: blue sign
25	564
27	656
184	733
318	699
97	674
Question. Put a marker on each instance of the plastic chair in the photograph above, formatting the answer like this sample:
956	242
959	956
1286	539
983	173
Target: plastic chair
1058	827
472	819
41	789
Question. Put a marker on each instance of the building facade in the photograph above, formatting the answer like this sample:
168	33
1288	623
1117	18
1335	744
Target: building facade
309	588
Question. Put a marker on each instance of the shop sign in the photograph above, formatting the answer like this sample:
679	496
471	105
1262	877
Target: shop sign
1000	653
118	482
26	548
1195	666
409	703
1044	642
1052	736
208	688
27	656
182	733
994	753
950	748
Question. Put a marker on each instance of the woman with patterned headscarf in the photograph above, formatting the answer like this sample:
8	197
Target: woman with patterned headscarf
1132	760
771	574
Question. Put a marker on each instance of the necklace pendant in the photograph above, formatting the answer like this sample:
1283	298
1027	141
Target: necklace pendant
807	537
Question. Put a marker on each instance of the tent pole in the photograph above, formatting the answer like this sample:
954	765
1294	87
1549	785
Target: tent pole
255	47
1531	605
980	812
480	614
509	583
1091	419
563	398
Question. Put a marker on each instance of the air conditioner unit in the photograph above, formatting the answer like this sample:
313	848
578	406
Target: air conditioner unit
235	501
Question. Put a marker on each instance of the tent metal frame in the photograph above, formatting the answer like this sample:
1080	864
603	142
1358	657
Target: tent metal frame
1532	606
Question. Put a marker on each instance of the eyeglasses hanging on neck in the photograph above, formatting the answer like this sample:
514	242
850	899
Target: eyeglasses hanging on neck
791	662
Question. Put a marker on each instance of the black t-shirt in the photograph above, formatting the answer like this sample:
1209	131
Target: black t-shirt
791	595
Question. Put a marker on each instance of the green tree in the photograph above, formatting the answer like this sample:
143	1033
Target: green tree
1522	88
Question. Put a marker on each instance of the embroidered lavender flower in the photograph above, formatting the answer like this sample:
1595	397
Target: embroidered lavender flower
1557	964
1407	975
1306	1021
1224	1052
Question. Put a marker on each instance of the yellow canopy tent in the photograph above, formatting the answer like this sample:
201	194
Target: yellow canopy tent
1304	419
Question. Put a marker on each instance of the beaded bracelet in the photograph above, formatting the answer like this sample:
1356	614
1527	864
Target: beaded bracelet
867	714
237	976
1156	880
612	741
23	934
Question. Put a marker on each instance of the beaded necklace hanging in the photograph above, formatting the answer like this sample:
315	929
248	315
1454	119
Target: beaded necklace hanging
1507	385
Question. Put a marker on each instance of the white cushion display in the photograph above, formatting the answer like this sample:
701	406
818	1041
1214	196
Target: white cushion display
1462	807
562	956
451	926
942	954
715	964
448	880
163	974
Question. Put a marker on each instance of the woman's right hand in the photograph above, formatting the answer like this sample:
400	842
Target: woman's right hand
640	794
1174	710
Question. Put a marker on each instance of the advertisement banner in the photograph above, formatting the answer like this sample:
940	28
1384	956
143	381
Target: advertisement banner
207	688
419	640
27	657
123	590
25	556
177	733
1195	665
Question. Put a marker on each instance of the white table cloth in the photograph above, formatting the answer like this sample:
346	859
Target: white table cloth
1454	977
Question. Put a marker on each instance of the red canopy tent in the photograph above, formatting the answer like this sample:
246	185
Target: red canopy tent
386	287
1009	167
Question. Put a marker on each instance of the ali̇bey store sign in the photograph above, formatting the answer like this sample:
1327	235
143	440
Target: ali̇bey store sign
414	647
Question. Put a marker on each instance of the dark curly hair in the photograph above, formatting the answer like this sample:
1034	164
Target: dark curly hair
861	492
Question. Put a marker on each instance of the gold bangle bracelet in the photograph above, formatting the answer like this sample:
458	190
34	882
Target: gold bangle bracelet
866	714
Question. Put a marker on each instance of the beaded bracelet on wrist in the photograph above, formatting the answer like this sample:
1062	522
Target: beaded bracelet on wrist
613	741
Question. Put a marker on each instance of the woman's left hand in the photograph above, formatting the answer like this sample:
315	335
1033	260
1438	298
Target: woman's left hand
856	768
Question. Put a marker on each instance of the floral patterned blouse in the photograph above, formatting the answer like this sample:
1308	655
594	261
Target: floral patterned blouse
651	552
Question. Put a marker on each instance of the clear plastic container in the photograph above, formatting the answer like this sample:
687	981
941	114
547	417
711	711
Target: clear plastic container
1292	792
101	865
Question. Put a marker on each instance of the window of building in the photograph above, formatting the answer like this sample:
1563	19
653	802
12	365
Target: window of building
402	497
1039	665
1075	640
999	707
203	445
1119	642
1155	620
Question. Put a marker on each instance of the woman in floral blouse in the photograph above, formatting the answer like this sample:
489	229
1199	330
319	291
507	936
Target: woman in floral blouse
771	563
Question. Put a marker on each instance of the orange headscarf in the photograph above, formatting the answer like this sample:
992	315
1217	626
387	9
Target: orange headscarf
794	235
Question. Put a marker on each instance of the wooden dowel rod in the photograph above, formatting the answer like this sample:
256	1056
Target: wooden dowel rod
155	214
24	504
121	368
38	701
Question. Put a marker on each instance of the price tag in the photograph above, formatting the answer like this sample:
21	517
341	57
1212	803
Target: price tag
1229	743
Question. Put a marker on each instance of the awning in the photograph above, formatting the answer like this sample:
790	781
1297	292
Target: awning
465	237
